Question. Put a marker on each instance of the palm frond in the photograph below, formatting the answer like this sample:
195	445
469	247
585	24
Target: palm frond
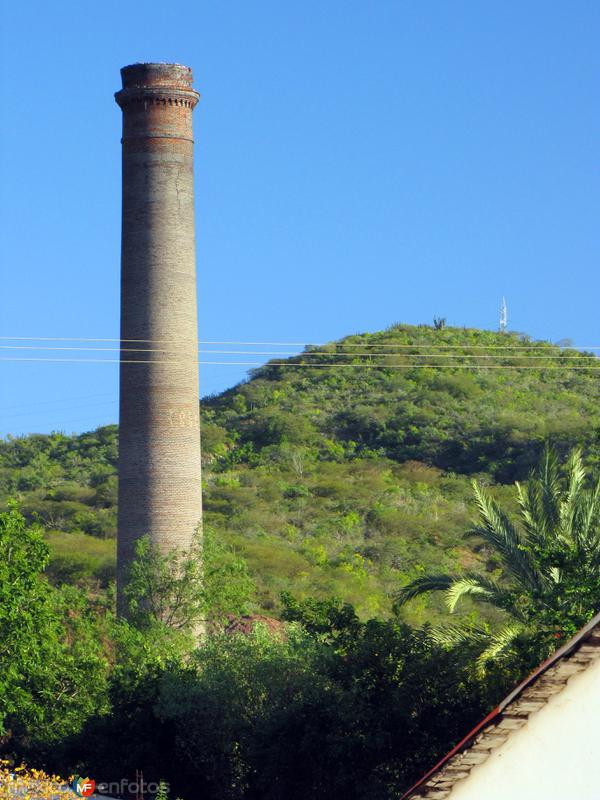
464	587
532	510
526	501
547	477
586	525
456	634
423	585
498	531
556	574
570	505
481	587
500	644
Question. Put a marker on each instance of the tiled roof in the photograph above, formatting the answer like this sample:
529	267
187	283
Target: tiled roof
513	712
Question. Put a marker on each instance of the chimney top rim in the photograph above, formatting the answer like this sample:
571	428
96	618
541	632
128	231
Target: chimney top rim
149	75
156	64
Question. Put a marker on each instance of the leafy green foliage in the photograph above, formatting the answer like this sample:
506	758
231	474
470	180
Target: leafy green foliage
357	710
53	669
65	661
548	584
337	481
333	707
227	588
66	483
165	588
476	420
182	591
162	793
334	484
328	619
80	560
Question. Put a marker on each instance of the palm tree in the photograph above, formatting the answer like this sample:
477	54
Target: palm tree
549	584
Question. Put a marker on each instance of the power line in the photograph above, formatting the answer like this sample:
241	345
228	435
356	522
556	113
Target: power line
84	419
73	339
521	346
60	400
91	360
310	354
85	349
60	410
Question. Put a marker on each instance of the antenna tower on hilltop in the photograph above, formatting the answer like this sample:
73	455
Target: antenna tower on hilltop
503	316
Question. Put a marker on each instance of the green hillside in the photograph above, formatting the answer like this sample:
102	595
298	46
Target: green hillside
345	480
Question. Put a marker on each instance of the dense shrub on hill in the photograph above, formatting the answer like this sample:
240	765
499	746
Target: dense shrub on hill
337	481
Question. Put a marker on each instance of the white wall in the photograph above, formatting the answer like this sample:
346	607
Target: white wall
555	755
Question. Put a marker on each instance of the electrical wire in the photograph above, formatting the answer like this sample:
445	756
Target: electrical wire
92	360
310	354
59	410
85	419
60	400
521	346
85	349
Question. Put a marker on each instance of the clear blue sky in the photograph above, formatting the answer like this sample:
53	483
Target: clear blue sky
358	164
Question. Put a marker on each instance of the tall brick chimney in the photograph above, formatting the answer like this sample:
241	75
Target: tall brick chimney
159	434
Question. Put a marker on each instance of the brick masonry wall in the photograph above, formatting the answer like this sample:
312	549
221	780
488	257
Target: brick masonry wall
159	429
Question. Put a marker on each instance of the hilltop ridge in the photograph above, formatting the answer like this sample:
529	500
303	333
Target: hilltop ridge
459	399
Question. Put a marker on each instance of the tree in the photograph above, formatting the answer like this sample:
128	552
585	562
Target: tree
180	590
165	588
549	583
23	599
52	666
354	710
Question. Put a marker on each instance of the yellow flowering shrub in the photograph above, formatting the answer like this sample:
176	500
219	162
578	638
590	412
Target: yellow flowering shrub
30	784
